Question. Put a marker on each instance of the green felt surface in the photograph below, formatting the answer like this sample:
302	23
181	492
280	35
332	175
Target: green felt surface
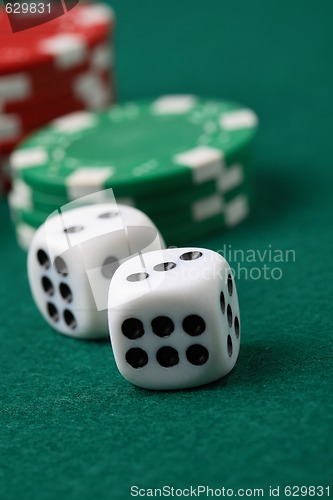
71	427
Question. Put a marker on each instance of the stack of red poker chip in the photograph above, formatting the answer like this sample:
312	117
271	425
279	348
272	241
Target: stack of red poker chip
5	183
48	71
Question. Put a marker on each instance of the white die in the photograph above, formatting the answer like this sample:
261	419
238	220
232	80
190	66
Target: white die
174	318
72	258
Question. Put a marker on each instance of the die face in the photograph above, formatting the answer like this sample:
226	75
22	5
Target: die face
107	234
61	291
73	257
170	329
96	226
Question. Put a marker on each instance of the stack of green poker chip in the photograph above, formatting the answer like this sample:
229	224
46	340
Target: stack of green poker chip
184	161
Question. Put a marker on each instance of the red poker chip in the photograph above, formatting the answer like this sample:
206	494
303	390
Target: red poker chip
93	93
7	146
22	87
59	44
15	127
53	69
5	181
61	89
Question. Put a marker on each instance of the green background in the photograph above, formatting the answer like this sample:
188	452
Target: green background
71	427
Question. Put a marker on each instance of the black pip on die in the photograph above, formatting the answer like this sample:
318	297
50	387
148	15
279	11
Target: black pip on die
174	318
73	257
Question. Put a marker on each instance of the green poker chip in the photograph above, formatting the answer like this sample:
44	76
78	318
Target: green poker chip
177	234
176	227
186	210
32	199
236	211
195	201
142	149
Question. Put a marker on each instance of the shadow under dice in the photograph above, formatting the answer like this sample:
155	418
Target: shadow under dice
174	318
73	257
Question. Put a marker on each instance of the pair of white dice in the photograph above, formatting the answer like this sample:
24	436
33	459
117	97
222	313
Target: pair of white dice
173	314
